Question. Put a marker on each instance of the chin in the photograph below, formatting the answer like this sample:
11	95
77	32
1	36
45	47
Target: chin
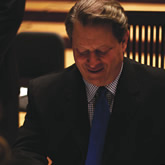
96	83
99	82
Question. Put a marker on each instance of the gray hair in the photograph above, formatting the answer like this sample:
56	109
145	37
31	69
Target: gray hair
98	12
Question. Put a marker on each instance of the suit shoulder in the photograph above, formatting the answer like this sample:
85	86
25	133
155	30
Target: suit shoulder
146	76
54	79
149	71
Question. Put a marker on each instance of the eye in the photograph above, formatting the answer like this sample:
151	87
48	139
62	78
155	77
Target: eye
83	53
101	52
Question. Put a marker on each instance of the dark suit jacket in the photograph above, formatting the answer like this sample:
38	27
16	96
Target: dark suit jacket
57	121
11	15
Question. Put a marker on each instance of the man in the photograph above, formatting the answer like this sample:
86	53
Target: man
11	14
60	114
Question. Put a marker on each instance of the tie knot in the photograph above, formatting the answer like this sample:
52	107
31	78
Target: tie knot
102	91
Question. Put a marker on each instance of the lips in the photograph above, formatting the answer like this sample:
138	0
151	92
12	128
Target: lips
95	70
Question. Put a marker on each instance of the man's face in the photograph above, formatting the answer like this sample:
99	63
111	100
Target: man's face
97	53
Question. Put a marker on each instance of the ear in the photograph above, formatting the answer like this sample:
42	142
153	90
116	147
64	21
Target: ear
125	41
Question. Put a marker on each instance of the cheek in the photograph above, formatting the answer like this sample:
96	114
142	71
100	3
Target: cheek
79	63
110	59
76	59
113	60
117	55
79	60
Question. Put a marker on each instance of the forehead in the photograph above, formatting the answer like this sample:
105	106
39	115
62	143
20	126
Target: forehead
92	35
91	29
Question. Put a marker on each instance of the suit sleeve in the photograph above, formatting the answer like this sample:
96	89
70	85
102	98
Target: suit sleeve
31	144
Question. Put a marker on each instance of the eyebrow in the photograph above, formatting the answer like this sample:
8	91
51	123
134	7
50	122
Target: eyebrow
85	49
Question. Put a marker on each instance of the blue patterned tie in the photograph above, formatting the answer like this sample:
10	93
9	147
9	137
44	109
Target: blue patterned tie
98	130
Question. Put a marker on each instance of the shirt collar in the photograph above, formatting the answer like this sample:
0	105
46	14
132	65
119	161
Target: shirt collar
92	89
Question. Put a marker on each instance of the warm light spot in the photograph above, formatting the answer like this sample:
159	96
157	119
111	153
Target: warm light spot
149	33
160	34
131	55
148	58
137	56
131	32
21	118
142	58
154	34
143	33
137	33
69	59
154	60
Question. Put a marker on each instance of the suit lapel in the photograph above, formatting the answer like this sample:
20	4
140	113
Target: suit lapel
77	110
126	99
125	106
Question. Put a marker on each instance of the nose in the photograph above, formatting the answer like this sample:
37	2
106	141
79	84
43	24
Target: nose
92	60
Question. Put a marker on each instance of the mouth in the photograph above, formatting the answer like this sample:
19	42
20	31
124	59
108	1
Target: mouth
95	70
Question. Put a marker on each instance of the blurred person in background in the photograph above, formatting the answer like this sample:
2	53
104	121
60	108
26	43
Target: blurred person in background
11	15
